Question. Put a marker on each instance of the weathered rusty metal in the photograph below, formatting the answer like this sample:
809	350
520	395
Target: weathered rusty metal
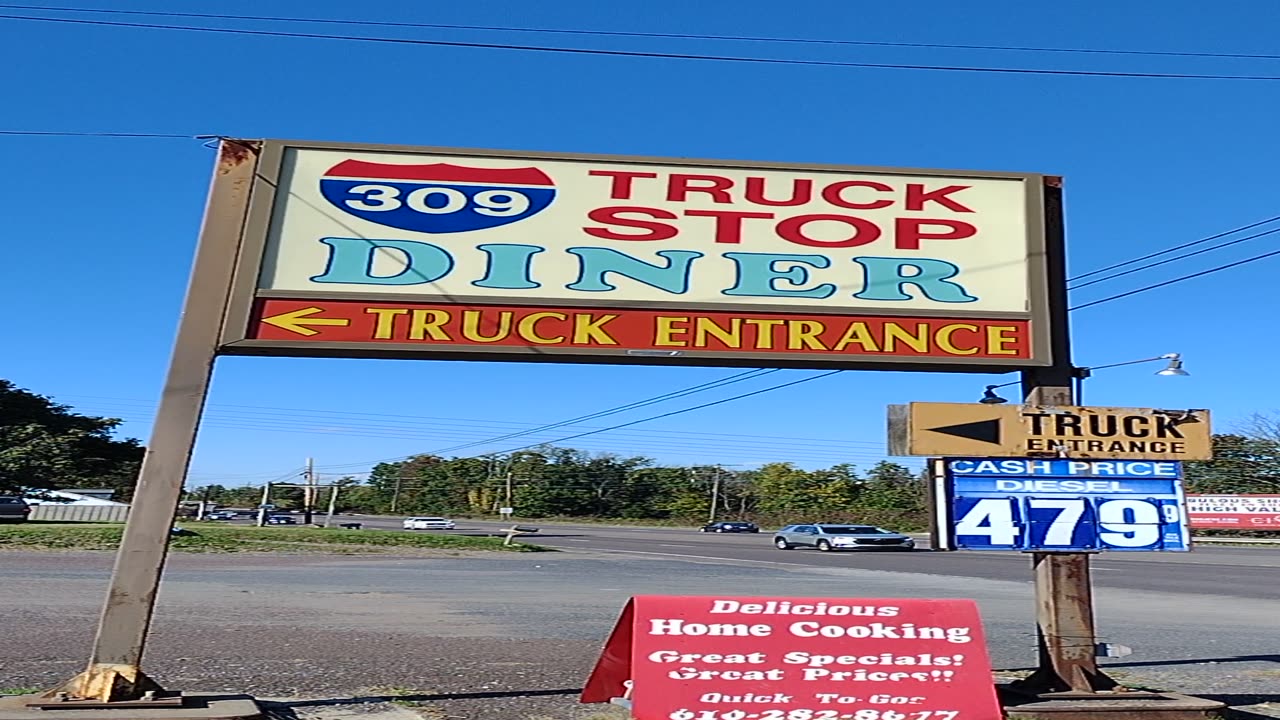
150	699
193	706
1067	684
1063	587
1128	705
1065	624
114	671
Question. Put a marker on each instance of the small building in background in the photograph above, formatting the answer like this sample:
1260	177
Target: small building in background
88	505
74	496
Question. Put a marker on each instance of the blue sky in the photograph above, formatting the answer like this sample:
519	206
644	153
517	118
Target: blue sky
99	232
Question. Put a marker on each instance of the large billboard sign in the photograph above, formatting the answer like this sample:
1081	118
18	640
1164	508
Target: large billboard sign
406	252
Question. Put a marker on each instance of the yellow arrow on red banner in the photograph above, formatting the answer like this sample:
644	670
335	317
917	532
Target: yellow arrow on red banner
300	321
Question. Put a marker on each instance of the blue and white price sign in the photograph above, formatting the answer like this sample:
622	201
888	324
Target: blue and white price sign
1060	505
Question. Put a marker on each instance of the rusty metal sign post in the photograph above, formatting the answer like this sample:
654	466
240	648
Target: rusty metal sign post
1067	682
115	666
1063	588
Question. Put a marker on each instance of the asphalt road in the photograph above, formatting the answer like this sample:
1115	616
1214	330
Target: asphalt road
509	636
1241	572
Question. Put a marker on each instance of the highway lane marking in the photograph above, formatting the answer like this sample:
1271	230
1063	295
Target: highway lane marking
806	565
707	557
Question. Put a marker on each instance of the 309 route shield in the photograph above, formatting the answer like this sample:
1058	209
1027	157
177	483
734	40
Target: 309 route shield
621	330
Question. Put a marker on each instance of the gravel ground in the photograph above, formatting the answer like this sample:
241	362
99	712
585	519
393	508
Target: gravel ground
512	637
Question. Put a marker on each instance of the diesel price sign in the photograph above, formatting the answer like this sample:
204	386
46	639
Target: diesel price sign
1059	505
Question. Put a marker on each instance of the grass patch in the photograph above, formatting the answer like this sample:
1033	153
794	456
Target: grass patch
19	690
214	538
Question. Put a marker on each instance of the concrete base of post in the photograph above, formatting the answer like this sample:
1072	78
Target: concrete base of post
194	706
1118	704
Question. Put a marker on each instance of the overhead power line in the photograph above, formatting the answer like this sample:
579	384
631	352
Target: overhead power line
639	54
597	431
1167	283
68	133
722	401
337	422
619	441
1176	258
194	477
827	374
740	377
815	377
1175	248
636	34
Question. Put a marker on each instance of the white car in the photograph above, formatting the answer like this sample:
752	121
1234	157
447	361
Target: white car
428	523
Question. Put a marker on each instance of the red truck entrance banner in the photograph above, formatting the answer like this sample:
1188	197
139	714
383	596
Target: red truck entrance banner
735	658
830	337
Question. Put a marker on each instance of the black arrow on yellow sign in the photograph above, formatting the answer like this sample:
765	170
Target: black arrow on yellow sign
987	431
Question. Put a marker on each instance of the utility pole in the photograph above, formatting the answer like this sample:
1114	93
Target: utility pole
510	492
395	496
309	492
203	508
262	506
333	503
715	495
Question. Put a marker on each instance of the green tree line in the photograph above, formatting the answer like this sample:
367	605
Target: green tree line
46	445
564	482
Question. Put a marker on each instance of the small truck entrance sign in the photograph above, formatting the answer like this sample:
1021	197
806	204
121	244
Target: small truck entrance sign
735	658
974	430
375	251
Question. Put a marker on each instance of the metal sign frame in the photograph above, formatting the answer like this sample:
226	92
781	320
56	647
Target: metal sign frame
219	307
1043	242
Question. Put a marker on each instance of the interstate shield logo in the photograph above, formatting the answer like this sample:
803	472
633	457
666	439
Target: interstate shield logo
436	198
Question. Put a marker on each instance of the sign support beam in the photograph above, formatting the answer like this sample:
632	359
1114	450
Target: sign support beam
1066	635
114	673
1065	631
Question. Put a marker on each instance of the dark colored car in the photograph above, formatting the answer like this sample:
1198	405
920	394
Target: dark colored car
730	527
13	509
281	520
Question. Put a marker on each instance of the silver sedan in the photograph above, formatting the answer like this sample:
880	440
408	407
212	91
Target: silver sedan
830	537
